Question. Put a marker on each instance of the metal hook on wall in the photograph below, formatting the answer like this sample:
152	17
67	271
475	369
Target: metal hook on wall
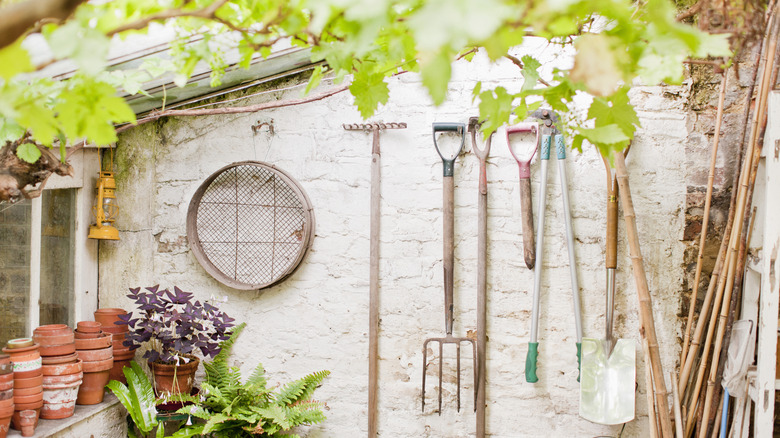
260	124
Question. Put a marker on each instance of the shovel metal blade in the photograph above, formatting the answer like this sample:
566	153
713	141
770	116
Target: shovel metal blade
608	383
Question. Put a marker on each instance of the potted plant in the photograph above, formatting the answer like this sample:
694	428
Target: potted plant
175	328
229	407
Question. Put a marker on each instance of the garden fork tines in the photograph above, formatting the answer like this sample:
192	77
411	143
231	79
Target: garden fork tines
448	161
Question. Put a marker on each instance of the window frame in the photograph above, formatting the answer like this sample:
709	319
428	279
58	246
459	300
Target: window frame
86	165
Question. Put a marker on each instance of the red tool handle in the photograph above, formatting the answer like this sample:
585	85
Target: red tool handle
522	162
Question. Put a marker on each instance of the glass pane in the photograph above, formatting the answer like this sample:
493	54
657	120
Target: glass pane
15	224
58	217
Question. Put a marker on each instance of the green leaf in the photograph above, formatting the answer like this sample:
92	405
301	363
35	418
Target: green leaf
616	109
530	72
369	90
595	65
314	80
606	135
14	59
9	130
495	106
28	152
435	74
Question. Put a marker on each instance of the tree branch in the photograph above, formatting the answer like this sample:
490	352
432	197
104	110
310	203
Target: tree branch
521	66
207	13
17	19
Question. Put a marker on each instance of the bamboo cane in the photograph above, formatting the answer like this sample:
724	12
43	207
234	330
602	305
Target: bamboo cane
678	430
651	417
763	94
643	292
705	218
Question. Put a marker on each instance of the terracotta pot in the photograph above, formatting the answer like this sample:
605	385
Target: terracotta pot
100	365
89	326
22	354
62	369
19	343
116	330
7	384
119	363
92	388
5	424
66	379
55	338
59	401
124	354
174	379
79	335
29	382
26	399
23	406
21	392
55	360
35	372
6	368
52	328
108	316
28	419
96	355
7	394
5	378
16	420
103	340
7	402
58	350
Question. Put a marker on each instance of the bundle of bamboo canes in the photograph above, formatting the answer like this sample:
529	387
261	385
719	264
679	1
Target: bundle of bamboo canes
700	403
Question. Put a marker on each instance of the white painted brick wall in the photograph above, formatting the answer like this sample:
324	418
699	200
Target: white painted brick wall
318	318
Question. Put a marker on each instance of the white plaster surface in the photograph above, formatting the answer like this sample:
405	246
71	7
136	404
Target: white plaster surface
318	318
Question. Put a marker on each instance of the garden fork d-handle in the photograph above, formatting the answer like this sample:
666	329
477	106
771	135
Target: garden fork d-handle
448	207
526	207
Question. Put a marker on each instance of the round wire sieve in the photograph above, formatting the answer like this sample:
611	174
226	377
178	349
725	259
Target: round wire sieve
249	225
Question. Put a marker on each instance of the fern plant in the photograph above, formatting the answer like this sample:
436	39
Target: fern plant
232	408
138	398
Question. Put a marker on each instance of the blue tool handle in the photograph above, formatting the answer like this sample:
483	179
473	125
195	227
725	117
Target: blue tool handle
560	147
448	163
546	143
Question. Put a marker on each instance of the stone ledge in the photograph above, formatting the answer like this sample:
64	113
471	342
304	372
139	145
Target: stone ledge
100	419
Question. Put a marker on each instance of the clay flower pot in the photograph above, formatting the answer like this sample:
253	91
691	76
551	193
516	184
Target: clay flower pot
59	400
92	387
7	394
81	335
89	327
20	343
109	316
6	382
65	379
58	350
27	421
61	369
29	382
103	340
22	354
6	368
33	390
28	399
5	420
16	419
122	359
117	331
56	360
96	355
174	379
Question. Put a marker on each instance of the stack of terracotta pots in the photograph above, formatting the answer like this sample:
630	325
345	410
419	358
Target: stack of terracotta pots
28	377
95	350
6	393
109	319
61	370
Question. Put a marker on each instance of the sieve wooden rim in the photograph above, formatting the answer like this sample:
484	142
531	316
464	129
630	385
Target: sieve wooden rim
203	258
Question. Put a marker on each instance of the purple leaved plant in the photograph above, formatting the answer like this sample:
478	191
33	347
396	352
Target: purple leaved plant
174	325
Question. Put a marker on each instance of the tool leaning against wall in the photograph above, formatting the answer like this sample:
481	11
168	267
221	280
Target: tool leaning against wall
550	130
448	163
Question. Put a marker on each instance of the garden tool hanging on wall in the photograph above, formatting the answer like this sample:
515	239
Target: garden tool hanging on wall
448	158
607	390
523	153
550	132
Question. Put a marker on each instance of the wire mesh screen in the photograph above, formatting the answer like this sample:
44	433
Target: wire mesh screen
250	225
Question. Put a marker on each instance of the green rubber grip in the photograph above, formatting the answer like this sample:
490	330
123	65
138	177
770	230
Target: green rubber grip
530	362
560	147
546	143
579	360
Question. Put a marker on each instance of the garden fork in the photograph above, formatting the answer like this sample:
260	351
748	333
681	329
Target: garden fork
448	161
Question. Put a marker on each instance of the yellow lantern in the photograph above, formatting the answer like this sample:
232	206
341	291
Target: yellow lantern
105	209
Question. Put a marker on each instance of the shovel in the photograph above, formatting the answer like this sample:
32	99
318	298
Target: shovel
607	386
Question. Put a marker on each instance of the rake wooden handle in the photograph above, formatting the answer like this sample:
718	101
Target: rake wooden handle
643	292
526	208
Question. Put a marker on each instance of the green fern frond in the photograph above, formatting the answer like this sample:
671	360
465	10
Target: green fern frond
301	389
257	378
218	373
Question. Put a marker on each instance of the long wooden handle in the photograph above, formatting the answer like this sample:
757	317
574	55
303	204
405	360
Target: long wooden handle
643	292
526	207
373	306
481	312
449	251
612	219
